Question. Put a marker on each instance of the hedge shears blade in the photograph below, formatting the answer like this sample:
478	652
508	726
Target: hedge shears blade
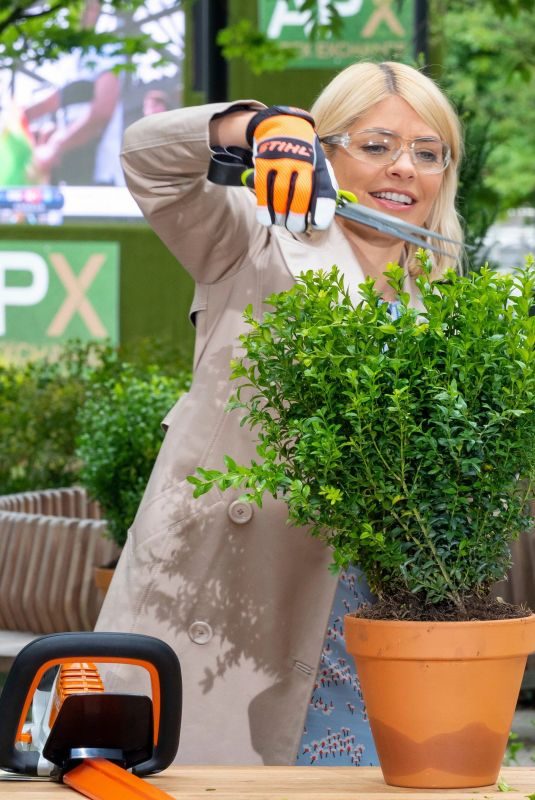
95	741
232	166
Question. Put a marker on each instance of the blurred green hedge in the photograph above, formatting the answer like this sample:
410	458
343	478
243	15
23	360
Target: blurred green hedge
119	439
92	417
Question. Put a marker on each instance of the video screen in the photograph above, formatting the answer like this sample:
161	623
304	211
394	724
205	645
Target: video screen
62	122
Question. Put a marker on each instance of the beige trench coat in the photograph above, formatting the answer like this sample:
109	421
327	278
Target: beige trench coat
242	597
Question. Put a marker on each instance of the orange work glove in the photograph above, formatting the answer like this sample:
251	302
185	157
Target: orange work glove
294	183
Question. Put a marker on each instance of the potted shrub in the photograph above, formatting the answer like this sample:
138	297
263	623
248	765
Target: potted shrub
402	444
119	438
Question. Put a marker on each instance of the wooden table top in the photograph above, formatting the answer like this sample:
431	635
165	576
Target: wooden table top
289	783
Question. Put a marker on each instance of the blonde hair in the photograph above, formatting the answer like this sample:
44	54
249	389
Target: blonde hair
355	90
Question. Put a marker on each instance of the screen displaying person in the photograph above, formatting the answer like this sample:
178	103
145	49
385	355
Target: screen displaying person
78	127
155	101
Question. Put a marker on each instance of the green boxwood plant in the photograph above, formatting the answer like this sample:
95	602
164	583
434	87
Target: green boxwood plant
120	436
400	442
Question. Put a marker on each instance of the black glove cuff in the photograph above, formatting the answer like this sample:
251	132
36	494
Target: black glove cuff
233	109
274	111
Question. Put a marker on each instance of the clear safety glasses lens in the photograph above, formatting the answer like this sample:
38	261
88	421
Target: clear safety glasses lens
428	154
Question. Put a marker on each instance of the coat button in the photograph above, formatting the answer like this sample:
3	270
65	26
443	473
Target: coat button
240	512
200	632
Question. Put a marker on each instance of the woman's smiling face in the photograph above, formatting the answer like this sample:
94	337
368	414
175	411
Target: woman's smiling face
396	188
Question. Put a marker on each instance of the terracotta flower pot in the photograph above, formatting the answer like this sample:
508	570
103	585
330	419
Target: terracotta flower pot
440	696
102	577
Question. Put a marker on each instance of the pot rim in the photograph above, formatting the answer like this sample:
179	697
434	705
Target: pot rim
429	623
439	641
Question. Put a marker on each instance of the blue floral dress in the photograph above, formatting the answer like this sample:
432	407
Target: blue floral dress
337	732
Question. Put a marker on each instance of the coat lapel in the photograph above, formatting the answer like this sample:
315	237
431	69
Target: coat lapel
320	250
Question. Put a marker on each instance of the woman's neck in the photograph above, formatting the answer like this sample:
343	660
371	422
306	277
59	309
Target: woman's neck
373	254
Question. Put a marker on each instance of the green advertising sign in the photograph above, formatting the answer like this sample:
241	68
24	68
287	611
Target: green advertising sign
371	29
51	291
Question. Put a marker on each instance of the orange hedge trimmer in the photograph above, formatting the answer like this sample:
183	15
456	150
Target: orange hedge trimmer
95	741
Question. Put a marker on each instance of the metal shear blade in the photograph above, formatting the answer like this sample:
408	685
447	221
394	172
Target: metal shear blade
391	225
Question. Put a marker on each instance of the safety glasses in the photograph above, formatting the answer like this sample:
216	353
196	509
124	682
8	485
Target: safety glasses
382	147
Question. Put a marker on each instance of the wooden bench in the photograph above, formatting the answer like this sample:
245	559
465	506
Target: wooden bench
49	543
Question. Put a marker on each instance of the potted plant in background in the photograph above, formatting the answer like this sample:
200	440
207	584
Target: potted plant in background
401	443
119	438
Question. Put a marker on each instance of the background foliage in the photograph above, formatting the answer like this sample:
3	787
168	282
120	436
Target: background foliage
31	32
43	408
38	411
482	54
119	439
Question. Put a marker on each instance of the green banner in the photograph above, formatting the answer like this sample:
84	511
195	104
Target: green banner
51	291
371	29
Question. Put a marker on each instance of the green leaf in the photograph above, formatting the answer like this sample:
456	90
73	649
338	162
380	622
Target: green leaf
202	489
230	463
503	786
387	328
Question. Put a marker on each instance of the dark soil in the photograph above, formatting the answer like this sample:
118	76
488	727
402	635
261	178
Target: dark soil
409	607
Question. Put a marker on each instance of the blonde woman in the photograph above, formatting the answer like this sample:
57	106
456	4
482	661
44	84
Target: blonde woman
248	603
342	110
